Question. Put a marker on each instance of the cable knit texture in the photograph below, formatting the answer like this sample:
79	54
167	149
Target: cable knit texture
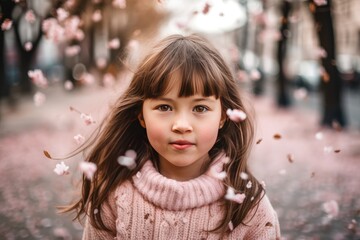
151	206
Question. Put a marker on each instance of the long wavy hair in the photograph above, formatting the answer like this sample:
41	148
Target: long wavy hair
203	71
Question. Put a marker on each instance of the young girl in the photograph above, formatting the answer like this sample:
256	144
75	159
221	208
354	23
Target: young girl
189	178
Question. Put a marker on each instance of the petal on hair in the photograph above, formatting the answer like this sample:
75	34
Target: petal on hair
236	115
128	160
88	168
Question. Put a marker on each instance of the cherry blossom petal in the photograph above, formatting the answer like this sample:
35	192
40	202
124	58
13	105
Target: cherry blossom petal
68	85
87	119
119	3
61	169
97	16
300	93
236	115
71	51
39	99
6	25
62	14
244	176
230	195
38	78
249	184
79	138
101	62
28	46
128	160
88	168
319	136
231	226
320	2
331	208
30	16
108	80
114	43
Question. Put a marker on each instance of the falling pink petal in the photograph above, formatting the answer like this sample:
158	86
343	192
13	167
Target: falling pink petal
88	168
215	173
97	16
133	45
320	2
242	76
230	195
87	119
300	93
236	115
231	226
114	43
320	53
28	46
328	149
255	75
6	25
61	169
30	16
119	3
101	62
244	176
108	80
79	139
263	184
39	99
62	14
319	136
68	85
128	160
88	78
331	208
38	78
72	50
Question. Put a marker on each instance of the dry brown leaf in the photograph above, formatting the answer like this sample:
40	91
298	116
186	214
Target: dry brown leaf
277	136
47	154
268	224
290	158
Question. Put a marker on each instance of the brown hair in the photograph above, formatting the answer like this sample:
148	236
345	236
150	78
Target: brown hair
204	72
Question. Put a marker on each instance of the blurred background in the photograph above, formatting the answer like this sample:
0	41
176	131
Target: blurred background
64	62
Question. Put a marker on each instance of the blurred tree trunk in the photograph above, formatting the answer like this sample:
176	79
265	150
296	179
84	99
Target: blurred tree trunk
283	99
331	84
26	57
6	10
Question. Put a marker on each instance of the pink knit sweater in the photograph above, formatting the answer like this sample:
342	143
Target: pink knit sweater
152	206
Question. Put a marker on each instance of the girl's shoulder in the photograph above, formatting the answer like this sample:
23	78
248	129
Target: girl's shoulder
261	222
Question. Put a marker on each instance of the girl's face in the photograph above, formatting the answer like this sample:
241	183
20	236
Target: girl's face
182	130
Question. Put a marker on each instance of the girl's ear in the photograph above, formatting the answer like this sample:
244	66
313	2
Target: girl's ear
141	120
222	121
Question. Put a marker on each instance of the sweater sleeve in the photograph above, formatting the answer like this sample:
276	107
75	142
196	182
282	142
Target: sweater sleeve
108	215
263	225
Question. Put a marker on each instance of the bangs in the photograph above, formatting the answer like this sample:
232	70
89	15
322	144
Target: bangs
196	67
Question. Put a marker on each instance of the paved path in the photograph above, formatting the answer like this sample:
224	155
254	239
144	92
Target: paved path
297	187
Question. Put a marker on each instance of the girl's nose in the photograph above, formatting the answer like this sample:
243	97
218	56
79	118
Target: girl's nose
181	125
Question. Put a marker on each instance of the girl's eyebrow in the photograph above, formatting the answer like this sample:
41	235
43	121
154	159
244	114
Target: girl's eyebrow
200	99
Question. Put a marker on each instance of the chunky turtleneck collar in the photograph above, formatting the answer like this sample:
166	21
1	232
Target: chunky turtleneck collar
174	195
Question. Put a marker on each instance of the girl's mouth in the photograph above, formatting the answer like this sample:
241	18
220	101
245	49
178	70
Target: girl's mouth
181	144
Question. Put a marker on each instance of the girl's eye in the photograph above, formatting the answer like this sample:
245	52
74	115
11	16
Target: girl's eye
163	108
200	109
